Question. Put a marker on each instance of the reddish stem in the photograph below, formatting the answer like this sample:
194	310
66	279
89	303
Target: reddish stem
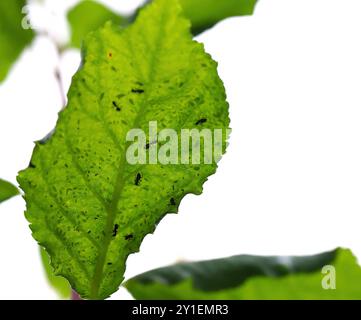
75	296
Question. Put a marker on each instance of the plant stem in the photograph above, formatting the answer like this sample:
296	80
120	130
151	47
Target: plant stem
57	74
59	51
75	296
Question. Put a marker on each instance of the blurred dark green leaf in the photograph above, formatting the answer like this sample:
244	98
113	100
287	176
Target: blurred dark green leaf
88	16
13	37
253	277
60	284
7	190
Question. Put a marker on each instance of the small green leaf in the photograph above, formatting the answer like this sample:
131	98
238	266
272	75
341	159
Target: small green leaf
13	37
7	190
88	16
254	277
87	205
60	284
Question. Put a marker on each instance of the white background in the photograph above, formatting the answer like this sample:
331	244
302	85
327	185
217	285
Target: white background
291	180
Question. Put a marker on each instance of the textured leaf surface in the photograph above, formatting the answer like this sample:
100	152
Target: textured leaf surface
252	277
60	284
7	190
88	16
87	206
13	38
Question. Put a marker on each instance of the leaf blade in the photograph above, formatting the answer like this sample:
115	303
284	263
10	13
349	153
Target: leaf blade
13	37
88	16
7	190
204	14
60	285
82	200
252	277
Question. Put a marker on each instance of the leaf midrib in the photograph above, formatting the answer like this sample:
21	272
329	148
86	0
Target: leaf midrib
120	181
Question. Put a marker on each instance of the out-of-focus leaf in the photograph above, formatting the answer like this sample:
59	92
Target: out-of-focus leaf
7	190
13	37
254	277
87	204
204	14
60	284
88	16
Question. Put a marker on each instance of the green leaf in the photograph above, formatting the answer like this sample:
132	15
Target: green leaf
86	204
254	277
204	14
60	284
13	37
7	190
88	16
